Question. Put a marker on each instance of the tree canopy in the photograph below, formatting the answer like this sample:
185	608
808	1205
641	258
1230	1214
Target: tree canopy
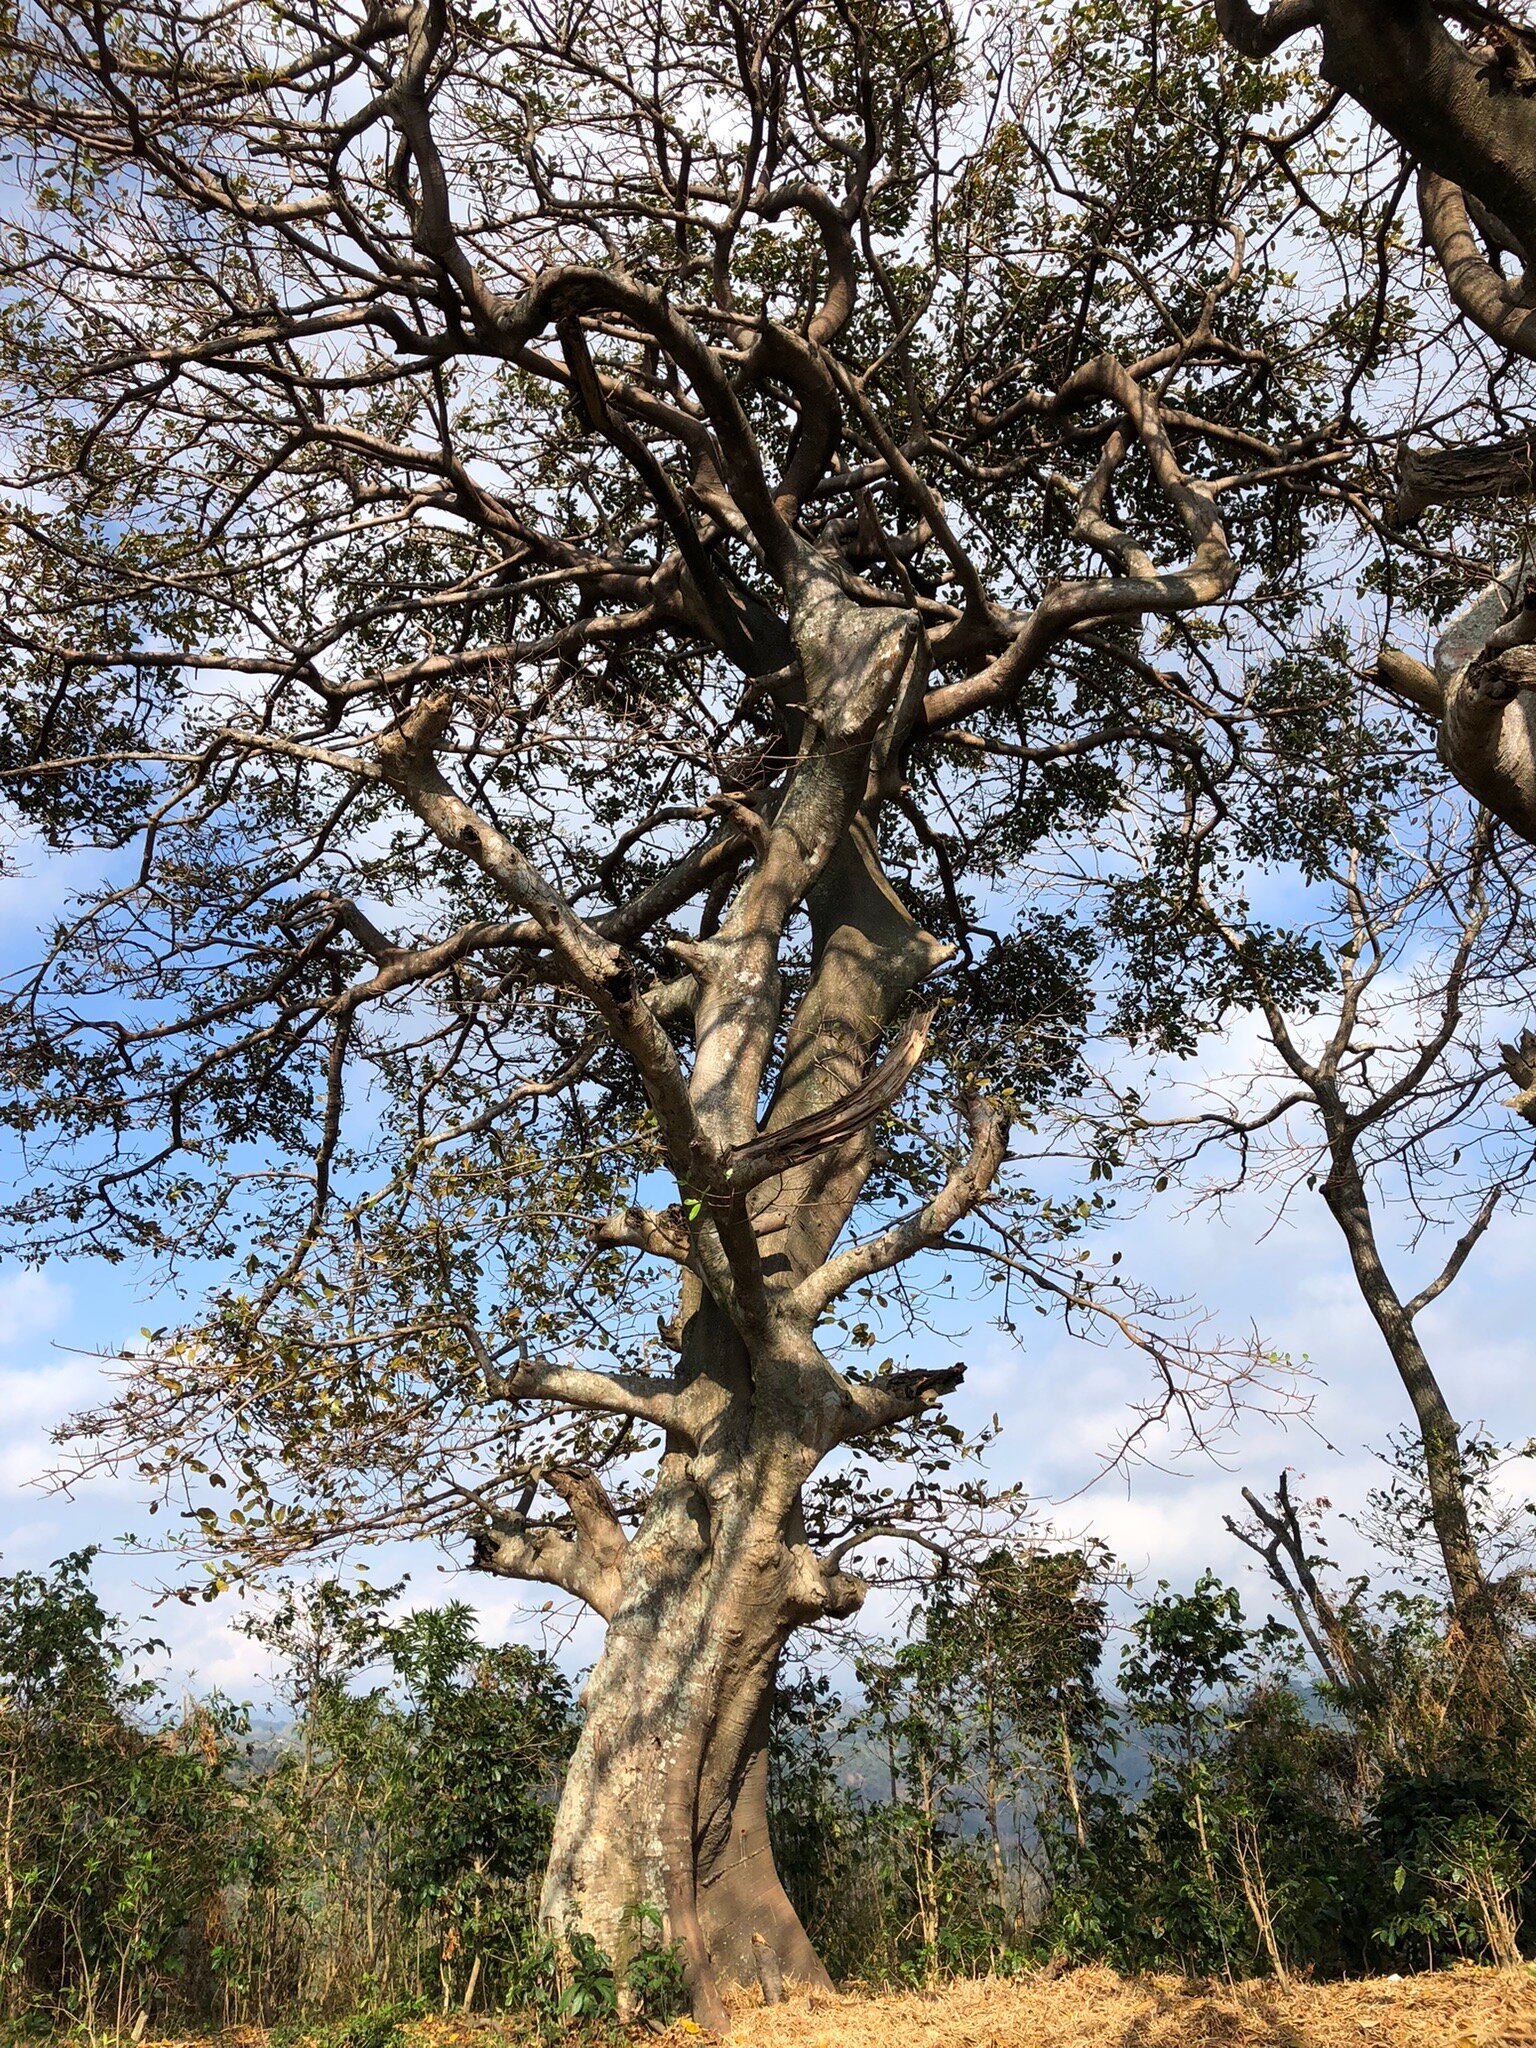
628	619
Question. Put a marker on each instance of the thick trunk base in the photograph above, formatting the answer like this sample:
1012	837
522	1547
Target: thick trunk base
665	1801
742	1902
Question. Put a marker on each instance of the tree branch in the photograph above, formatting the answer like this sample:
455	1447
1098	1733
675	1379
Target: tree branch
1260	35
1478	289
587	1564
1461	1251
630	1394
966	1185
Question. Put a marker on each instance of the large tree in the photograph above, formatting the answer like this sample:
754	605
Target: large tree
580	594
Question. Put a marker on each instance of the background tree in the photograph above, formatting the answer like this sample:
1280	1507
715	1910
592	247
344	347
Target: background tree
1384	1098
169	1860
395	1833
1022	1640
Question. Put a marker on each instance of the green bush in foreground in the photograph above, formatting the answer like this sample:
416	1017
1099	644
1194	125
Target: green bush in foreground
990	1804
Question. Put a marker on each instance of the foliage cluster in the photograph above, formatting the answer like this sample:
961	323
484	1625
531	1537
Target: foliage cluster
169	1861
1213	1810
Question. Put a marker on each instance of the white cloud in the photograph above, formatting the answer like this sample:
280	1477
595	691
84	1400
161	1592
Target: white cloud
32	1304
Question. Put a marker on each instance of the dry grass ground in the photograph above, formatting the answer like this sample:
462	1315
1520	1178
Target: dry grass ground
1090	2008
1093	2008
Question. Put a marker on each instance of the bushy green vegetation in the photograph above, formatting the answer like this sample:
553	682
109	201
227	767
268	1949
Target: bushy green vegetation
157	1858
117	1823
991	1801
1214	1810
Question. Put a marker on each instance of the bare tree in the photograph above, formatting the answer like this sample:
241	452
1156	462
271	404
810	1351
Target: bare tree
1385	1096
1277	1535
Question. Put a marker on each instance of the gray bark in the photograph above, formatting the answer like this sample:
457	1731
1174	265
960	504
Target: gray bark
1520	1065
665	1801
1471	471
1481	693
1439	1433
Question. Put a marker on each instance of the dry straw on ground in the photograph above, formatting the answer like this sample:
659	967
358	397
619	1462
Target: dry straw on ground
1090	2008
1093	2008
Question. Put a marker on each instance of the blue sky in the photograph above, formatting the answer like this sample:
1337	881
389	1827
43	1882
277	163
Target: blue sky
1060	1401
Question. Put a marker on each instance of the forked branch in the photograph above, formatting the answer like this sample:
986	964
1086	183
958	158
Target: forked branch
584	1562
967	1185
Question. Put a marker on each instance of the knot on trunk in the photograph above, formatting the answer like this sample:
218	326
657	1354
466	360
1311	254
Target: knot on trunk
846	1593
815	1589
661	1232
620	982
1520	1065
415	734
1500	676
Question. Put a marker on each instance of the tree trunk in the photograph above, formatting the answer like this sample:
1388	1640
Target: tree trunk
1488	735
665	1800
1069	1781
613	1847
1438	1432
741	1898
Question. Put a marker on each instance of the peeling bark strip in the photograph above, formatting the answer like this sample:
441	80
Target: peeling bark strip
1472	470
795	1144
